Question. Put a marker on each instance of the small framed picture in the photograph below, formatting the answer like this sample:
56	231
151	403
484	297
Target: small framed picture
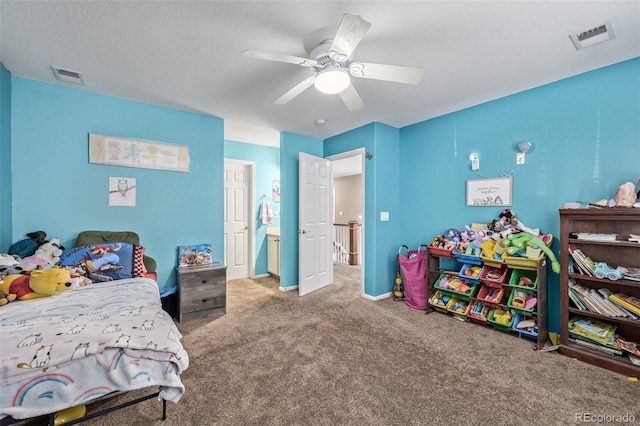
489	192
194	255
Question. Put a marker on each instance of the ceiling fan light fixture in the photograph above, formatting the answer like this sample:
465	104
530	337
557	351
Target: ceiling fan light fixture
332	80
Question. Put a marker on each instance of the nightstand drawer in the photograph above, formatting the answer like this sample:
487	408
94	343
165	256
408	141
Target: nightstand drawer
202	292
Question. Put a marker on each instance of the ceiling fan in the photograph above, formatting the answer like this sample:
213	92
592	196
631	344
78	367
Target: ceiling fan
333	66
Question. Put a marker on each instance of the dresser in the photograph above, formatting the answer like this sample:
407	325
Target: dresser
202	291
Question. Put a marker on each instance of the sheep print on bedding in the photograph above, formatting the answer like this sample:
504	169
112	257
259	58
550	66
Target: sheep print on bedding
102	262
81	344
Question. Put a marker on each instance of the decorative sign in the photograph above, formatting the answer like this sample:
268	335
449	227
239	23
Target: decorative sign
489	192
125	152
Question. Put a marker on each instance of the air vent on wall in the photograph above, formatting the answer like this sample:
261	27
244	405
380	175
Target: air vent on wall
593	36
68	76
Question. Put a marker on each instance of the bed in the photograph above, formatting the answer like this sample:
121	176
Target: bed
87	343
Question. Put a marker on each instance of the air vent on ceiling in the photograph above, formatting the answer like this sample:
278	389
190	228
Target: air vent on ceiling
593	36
68	76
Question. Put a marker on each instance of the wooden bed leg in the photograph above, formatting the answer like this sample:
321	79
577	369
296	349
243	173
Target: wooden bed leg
164	409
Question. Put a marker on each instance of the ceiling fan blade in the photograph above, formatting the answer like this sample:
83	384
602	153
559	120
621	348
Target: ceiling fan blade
351	98
350	33
296	90
257	54
396	73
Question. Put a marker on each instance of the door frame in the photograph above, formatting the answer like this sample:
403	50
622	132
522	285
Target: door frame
251	245
347	154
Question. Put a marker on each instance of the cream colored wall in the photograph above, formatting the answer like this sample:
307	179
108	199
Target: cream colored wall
348	198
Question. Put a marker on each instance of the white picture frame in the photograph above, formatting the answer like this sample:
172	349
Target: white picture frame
489	192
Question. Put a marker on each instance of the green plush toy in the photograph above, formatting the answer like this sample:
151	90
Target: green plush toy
519	241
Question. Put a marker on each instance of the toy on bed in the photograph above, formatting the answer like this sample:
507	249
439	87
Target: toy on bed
28	246
39	283
99	341
50	251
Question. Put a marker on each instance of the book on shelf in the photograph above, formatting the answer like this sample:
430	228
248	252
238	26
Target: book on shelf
629	273
631	347
596	237
583	261
608	294
593	330
596	346
621	299
576	300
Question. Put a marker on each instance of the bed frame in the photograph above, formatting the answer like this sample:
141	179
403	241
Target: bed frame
51	422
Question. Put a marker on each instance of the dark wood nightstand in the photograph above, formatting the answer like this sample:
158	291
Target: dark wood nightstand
202	291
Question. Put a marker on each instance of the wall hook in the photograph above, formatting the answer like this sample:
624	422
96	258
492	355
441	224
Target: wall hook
368	155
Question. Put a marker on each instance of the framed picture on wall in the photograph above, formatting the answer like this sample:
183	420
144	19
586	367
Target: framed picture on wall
489	192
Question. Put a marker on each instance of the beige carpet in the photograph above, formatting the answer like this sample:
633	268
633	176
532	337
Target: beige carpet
335	358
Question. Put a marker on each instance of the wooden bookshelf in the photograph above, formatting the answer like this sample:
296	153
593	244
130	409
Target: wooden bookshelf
621	252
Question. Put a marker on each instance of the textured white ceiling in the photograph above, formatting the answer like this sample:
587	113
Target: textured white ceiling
187	54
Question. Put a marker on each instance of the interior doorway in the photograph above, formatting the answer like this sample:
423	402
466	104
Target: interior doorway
348	211
238	213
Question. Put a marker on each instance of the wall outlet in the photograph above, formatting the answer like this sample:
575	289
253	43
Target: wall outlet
520	158
384	216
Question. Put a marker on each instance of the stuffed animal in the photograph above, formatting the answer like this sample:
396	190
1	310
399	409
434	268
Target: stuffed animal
78	277
6	298
28	246
31	263
40	283
50	251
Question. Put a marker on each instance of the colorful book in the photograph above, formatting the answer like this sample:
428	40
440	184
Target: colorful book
194	255
593	330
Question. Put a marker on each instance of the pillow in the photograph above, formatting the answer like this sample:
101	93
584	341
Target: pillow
138	269
102	262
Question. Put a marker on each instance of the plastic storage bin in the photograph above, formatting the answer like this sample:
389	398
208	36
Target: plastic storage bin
494	318
458	307
491	296
479	312
471	273
437	251
524	279
467	258
439	301
456	286
495	277
531	332
529	298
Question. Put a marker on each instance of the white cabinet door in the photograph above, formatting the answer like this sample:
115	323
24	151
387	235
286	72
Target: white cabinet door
273	255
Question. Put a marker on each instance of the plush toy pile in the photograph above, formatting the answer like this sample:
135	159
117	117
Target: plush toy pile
502	237
30	270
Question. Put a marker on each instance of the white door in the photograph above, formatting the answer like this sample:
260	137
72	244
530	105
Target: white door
236	219
315	239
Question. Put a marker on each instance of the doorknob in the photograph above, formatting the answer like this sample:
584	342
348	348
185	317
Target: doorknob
246	227
302	231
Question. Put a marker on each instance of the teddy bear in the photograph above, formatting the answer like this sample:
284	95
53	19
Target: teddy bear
78	277
50	251
40	283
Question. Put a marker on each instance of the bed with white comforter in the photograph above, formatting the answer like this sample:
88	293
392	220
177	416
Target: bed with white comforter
76	346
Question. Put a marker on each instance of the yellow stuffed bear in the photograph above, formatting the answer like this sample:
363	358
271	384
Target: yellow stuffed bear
40	283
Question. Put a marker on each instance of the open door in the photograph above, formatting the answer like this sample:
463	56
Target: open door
314	235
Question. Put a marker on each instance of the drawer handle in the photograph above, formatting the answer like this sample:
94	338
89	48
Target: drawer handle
204	300
204	281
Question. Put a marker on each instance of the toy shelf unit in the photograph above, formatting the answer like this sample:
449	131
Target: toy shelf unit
595	323
510	297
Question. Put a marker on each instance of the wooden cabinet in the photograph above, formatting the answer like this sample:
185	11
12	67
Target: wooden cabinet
273	255
576	223
202	291
505	281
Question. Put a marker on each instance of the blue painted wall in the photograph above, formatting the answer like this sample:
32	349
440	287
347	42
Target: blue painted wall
381	174
267	169
5	160
57	190
290	146
586	136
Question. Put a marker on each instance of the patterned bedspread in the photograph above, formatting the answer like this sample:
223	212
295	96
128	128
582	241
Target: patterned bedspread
76	346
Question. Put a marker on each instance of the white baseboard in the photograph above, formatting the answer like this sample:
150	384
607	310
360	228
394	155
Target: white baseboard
261	275
293	287
376	298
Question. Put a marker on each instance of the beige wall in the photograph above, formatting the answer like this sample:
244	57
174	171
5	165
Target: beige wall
348	193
